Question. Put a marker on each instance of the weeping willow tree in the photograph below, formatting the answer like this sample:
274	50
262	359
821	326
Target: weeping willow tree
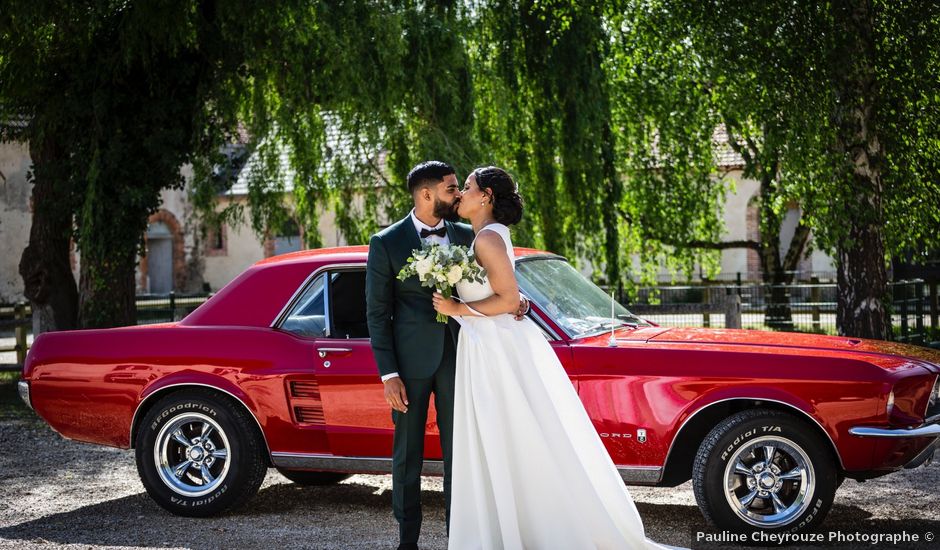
372	89
825	102
119	95
605	120
543	109
556	100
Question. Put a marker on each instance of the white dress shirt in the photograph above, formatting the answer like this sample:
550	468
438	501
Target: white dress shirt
419	225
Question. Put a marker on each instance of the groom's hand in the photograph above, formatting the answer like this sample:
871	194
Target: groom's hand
523	308
395	394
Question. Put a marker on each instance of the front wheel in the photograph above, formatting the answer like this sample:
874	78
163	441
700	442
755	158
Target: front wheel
763	470
198	454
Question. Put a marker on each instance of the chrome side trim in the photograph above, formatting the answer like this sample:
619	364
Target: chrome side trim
745	398
641	475
303	461
927	430
290	303
130	436
327	318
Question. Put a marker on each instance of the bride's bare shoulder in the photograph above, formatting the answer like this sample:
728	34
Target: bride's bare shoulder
489	243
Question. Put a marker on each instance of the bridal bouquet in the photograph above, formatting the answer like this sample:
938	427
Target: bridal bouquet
442	266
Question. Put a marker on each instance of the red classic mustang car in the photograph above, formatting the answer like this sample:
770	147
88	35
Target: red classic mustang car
276	370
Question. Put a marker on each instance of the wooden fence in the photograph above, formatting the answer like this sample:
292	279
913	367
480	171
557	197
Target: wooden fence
150	309
19	323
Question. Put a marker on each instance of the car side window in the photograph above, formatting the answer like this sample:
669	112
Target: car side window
308	316
347	304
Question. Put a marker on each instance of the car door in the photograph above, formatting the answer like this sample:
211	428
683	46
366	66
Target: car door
358	419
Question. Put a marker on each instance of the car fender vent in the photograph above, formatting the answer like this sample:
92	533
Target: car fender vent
309	415
306	389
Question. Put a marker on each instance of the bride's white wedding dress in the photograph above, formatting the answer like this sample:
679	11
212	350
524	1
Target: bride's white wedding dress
529	470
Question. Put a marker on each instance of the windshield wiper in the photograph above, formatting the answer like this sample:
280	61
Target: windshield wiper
606	324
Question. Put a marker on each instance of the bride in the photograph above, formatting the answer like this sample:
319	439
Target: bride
529	470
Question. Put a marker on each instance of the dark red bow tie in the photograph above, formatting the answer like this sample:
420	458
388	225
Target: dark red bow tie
440	232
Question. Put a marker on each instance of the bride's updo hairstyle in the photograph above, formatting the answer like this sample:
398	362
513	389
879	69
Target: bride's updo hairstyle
507	204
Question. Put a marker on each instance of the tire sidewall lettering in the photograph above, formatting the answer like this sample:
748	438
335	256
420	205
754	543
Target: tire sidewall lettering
198	501
751	433
182	407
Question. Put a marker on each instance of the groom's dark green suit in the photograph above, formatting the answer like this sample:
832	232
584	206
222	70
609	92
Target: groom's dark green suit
407	339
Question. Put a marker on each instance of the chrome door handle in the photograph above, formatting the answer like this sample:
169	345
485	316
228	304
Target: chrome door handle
324	351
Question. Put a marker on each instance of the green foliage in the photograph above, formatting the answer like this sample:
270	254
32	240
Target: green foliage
353	94
603	111
544	108
773	75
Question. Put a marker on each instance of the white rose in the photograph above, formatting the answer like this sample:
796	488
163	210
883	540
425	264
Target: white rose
423	267
454	274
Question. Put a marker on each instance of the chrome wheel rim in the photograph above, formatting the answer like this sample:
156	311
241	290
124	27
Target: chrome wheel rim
192	455
769	482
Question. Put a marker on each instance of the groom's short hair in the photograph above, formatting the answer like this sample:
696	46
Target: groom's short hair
428	173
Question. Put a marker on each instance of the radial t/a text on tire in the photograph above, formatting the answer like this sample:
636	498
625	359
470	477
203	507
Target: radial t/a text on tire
764	470
199	454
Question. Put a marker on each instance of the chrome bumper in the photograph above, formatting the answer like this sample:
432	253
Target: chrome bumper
927	430
931	429
23	387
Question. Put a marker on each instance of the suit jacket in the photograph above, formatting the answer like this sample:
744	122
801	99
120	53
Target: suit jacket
406	337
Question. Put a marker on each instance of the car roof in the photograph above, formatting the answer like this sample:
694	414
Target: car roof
258	294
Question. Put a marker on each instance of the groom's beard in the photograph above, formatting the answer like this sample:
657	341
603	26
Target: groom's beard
447	211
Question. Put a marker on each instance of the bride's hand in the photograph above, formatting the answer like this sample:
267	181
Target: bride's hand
447	306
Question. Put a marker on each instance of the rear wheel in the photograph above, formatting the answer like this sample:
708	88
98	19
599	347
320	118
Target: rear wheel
198	454
301	477
764	470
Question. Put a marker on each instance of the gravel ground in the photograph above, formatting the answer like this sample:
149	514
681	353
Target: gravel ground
56	493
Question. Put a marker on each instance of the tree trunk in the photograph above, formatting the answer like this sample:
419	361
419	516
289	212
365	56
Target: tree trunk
777	314
107	289
863	286
110	236
862	274
45	267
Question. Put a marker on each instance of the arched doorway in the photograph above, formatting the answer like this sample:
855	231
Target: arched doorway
159	258
163	267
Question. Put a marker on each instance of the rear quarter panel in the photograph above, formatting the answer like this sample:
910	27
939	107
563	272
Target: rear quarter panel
87	384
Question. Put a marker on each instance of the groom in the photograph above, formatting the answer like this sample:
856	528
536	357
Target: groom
415	354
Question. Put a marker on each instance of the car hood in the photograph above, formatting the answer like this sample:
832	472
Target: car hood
930	357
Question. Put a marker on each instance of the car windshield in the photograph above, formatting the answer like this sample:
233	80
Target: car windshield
576	304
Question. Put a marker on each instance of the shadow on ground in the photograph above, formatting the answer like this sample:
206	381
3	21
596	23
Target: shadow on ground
282	515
